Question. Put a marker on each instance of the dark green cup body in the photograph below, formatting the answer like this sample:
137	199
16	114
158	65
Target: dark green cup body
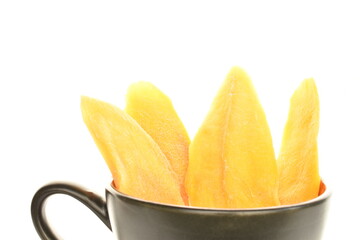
134	219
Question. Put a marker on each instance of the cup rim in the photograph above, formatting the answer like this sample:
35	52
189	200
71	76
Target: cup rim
319	199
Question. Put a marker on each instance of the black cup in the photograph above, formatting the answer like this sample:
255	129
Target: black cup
135	219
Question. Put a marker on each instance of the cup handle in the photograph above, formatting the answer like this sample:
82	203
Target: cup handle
94	202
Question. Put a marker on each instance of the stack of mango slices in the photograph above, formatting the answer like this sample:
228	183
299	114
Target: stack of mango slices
230	163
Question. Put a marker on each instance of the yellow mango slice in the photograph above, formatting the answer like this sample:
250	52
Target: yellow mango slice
138	166
155	113
298	158
232	162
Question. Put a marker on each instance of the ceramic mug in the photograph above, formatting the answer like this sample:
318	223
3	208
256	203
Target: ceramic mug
134	219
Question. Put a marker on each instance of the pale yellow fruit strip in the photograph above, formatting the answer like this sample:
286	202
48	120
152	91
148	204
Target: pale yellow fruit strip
232	162
138	166
155	113
298	158
251	174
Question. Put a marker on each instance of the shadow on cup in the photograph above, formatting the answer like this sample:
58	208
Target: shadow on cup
134	219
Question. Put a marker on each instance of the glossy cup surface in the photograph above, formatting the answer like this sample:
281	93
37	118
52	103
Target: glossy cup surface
135	219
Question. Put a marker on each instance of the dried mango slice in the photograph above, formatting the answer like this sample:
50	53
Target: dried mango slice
138	166
155	113
298	158
232	162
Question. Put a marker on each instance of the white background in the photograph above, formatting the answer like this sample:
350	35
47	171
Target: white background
52	52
